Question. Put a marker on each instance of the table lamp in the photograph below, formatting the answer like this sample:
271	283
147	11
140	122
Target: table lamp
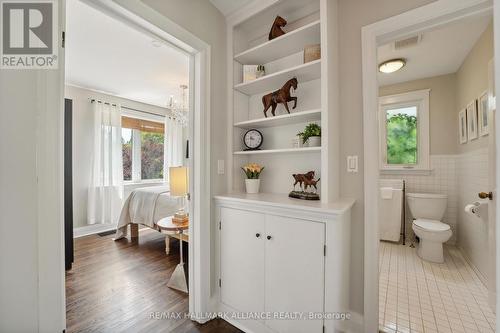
179	188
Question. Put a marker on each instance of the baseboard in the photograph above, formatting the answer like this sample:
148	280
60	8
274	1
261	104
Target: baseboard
92	229
474	268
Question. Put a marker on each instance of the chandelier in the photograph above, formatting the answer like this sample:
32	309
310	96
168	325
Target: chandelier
180	111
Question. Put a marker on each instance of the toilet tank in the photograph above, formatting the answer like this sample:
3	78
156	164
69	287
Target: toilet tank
427	205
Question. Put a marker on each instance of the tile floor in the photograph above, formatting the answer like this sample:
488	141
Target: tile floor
419	296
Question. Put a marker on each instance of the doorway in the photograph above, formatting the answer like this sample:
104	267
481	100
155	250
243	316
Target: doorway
405	174
141	16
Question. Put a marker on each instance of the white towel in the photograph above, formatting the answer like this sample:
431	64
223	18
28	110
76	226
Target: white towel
386	193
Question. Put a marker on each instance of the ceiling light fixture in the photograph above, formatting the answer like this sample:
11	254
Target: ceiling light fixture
391	66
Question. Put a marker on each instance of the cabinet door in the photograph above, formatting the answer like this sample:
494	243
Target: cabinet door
242	259
294	272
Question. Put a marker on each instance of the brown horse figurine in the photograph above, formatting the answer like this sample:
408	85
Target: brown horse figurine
301	178
276	30
280	96
311	182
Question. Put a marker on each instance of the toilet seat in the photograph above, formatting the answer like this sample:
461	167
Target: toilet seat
431	225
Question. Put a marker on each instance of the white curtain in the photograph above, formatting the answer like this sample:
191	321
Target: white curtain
173	145
105	196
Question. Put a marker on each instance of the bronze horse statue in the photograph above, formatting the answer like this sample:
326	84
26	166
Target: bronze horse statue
303	178
276	30
280	96
311	182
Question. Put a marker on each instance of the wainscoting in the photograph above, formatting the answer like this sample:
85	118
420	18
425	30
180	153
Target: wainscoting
461	177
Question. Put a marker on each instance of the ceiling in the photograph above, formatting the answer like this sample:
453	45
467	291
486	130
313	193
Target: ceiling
109	56
441	51
227	7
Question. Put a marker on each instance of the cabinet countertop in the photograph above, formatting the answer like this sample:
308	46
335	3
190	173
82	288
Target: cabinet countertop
282	200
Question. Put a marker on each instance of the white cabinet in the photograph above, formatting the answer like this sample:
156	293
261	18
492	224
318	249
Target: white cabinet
282	259
294	272
242	255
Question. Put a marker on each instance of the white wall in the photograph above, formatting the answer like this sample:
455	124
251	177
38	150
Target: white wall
83	143
204	21
353	15
18	202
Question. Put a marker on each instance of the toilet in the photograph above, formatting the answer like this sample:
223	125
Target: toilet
427	210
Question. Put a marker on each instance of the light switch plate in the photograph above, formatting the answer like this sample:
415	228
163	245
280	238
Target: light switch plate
352	164
220	167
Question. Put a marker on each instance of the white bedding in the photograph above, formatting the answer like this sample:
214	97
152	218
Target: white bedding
146	206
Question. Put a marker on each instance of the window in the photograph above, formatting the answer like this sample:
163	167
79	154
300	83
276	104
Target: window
142	149
404	131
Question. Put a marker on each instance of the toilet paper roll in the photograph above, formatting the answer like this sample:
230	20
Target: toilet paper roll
471	209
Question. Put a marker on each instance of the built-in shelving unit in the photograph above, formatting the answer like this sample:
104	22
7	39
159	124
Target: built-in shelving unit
279	151
283	59
286	119
282	46
303	73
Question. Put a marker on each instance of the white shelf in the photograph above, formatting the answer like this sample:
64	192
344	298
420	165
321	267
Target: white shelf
305	72
286	119
283	46
279	151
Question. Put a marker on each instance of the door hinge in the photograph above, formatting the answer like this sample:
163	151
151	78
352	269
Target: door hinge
220	225
324	250
220	283
63	39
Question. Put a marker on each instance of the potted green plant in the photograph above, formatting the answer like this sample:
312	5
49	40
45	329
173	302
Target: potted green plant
311	135
252	171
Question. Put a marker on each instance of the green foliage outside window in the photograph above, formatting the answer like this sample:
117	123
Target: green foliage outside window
401	139
152	155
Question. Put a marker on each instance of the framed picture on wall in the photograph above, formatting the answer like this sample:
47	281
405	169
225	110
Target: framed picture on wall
472	121
483	105
462	126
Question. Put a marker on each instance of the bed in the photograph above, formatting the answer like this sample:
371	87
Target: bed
147	206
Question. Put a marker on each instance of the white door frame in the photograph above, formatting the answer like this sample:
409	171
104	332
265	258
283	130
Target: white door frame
50	156
151	22
434	14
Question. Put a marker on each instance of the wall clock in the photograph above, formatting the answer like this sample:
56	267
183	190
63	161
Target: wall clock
253	139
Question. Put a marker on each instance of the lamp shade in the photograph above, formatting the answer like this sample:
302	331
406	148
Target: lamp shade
178	181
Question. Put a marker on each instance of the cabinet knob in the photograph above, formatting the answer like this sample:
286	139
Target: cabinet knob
269	237
257	235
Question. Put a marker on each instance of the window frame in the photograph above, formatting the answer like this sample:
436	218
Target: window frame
420	100
136	148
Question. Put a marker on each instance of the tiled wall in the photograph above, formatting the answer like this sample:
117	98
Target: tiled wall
442	179
472	178
461	177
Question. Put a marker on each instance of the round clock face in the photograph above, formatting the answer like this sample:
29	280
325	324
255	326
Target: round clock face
253	139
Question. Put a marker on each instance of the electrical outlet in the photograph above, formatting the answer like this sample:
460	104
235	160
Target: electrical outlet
220	167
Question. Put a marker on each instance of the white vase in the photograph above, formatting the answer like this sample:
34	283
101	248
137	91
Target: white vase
314	141
252	185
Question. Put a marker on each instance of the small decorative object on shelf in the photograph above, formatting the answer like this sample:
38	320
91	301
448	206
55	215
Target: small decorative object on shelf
280	96
252	171
253	72
261	71
312	52
297	142
311	135
306	182
276	30
253	139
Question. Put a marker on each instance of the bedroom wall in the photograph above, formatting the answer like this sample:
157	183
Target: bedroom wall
83	143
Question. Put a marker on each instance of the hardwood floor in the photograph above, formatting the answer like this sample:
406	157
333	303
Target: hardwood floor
118	286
